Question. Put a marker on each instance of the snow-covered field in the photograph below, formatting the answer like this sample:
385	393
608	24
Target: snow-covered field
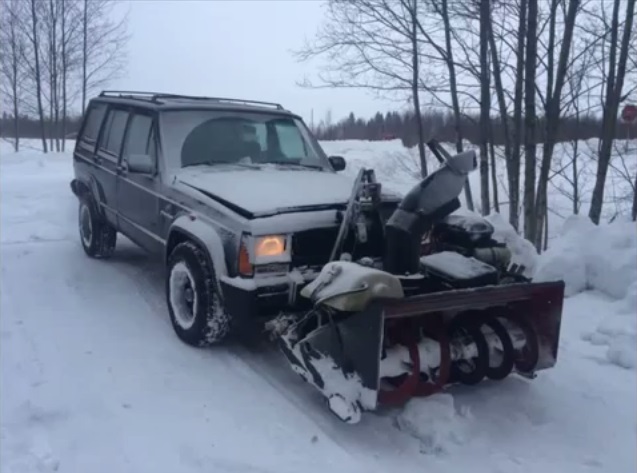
94	380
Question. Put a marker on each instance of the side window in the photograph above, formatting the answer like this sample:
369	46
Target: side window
94	118
139	139
111	140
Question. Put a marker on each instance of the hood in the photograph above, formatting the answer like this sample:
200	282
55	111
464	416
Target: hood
261	192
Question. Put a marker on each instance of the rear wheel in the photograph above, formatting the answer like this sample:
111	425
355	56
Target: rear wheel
192	293
98	237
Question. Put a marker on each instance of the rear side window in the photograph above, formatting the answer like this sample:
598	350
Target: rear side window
139	139
94	119
114	129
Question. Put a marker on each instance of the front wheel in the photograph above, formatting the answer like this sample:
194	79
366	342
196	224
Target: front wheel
98	237
192	293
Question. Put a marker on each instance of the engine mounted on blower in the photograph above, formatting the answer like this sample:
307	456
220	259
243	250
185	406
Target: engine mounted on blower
439	303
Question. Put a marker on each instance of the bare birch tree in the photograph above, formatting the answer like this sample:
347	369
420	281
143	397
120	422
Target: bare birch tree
34	39
553	105
446	53
373	45
59	58
485	104
613	95
103	45
11	52
530	145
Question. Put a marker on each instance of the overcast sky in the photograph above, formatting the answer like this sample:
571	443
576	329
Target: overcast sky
233	48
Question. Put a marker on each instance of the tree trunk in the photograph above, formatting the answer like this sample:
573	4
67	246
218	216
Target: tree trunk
529	122
513	171
485	103
414	88
499	90
16	124
84	54
611	107
545	245
552	115
14	85
635	200
64	72
575	177
494	174
453	89
38	78
54	76
51	95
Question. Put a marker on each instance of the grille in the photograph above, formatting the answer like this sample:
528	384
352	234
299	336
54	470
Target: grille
313	247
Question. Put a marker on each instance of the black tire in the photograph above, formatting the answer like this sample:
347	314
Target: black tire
202	320
98	237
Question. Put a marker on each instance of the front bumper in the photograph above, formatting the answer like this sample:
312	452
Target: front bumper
252	301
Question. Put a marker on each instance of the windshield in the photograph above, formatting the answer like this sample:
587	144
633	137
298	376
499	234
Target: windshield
205	137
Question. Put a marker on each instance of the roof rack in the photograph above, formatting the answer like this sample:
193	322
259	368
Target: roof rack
157	98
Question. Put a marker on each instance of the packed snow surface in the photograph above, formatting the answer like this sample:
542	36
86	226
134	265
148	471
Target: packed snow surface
93	378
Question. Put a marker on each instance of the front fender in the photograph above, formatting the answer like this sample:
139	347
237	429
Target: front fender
88	186
203	234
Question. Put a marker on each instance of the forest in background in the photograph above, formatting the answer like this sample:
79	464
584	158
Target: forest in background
390	125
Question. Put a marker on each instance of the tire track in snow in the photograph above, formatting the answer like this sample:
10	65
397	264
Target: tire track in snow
79	306
266	363
374	442
24	424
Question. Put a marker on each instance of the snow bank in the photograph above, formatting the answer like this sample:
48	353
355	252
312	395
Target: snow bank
522	250
435	422
590	257
600	258
618	331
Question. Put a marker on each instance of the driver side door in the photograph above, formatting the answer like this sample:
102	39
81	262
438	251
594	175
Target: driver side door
137	192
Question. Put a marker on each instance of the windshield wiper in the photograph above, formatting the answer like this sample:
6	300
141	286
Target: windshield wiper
214	164
287	163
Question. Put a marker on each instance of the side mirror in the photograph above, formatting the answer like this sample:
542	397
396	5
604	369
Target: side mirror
337	162
141	163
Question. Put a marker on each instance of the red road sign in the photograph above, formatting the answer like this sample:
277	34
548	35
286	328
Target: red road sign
629	113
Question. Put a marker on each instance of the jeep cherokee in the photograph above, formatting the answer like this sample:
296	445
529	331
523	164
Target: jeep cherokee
236	196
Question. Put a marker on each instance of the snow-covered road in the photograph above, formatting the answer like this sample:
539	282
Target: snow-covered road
93	378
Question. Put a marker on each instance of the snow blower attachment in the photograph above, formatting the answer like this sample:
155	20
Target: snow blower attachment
385	329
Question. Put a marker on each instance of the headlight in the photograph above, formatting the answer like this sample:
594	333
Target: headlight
263	251
270	245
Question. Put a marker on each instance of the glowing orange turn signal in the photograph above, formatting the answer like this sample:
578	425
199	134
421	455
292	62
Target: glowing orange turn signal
245	267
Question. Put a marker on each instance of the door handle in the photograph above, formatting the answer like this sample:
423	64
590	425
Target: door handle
122	169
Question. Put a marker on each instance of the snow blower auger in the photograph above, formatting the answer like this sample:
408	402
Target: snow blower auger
441	305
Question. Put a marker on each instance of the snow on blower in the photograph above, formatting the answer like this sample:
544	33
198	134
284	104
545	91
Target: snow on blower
443	305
